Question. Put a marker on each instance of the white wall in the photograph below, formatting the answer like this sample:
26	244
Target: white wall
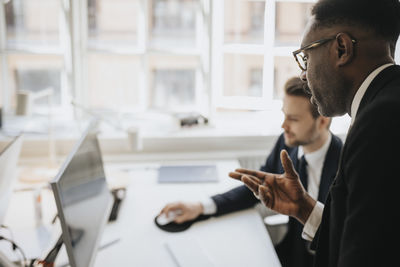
397	53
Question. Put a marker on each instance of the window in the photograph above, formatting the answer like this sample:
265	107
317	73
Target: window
173	22
112	22
172	87
144	55
290	20
32	22
244	21
287	32
32	55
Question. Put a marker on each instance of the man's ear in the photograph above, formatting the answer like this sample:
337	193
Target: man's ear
324	122
344	48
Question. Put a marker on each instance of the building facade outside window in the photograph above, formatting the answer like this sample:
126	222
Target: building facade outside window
143	55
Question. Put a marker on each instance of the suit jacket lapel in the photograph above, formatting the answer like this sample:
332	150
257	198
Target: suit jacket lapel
329	170
380	80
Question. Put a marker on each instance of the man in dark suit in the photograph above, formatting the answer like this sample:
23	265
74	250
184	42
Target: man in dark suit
347	58
306	134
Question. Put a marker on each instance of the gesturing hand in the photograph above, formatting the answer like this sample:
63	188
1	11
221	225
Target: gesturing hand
283	193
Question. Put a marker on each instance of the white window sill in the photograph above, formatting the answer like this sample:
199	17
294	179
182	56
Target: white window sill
229	135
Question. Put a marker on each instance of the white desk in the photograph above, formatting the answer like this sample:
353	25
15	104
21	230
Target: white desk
238	239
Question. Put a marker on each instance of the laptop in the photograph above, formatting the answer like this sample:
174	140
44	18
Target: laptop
187	174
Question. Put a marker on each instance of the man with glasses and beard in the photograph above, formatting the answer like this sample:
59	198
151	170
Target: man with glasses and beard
346	57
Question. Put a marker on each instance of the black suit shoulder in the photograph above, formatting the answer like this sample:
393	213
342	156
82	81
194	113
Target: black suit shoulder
358	220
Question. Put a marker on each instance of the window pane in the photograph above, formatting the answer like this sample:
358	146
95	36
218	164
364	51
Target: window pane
112	21
244	21
285	68
32	22
173	87
243	75
113	81
36	73
291	19
173	82
173	22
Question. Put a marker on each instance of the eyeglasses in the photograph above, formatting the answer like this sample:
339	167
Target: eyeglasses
301	58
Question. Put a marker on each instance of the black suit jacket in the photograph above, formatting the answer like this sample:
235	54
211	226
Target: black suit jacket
360	220
292	250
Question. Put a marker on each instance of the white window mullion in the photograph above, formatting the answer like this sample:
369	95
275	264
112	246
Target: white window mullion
142	25
3	57
269	34
203	46
81	58
2	28
208	19
67	75
143	38
217	18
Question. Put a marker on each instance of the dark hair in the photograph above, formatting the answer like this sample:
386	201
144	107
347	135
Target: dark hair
382	17
297	87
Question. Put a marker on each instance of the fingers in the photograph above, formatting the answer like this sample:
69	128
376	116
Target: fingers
252	183
239	176
182	218
266	196
183	211
259	174
176	206
288	165
261	192
172	207
235	175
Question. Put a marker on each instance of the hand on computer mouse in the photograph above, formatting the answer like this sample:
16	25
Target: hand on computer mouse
189	211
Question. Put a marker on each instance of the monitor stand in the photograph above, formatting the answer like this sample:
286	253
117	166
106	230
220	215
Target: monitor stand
50	259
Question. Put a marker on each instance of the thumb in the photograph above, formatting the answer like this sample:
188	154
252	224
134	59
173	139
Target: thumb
288	165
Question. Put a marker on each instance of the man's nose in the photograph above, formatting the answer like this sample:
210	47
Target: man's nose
284	125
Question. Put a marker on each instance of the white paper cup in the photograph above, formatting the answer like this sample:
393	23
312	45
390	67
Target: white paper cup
24	103
135	138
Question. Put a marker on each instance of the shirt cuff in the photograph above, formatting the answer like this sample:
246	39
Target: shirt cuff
209	206
313	222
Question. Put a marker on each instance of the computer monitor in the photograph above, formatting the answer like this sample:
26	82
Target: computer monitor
83	200
8	173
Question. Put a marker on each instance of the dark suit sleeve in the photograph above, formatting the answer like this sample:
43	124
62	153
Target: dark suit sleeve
371	171
241	197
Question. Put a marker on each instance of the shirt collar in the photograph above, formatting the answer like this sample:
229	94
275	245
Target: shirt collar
315	156
363	88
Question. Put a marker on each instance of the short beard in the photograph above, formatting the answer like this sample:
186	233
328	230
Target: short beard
335	95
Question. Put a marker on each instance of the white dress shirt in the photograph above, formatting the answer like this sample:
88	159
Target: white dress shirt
313	222
315	162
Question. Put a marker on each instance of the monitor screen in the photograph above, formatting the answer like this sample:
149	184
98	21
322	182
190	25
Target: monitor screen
83	200
8	167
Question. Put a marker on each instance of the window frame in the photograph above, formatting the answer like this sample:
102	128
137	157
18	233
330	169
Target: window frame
75	49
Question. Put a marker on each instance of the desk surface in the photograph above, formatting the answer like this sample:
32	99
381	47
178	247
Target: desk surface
238	239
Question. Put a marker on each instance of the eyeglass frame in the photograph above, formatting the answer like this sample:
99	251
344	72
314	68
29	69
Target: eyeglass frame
313	45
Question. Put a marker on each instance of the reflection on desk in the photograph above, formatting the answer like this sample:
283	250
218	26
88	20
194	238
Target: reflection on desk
238	239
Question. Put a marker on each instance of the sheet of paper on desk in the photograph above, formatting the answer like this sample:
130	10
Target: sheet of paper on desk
187	174
186	252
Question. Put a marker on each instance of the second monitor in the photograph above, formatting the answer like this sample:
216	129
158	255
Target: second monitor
83	200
